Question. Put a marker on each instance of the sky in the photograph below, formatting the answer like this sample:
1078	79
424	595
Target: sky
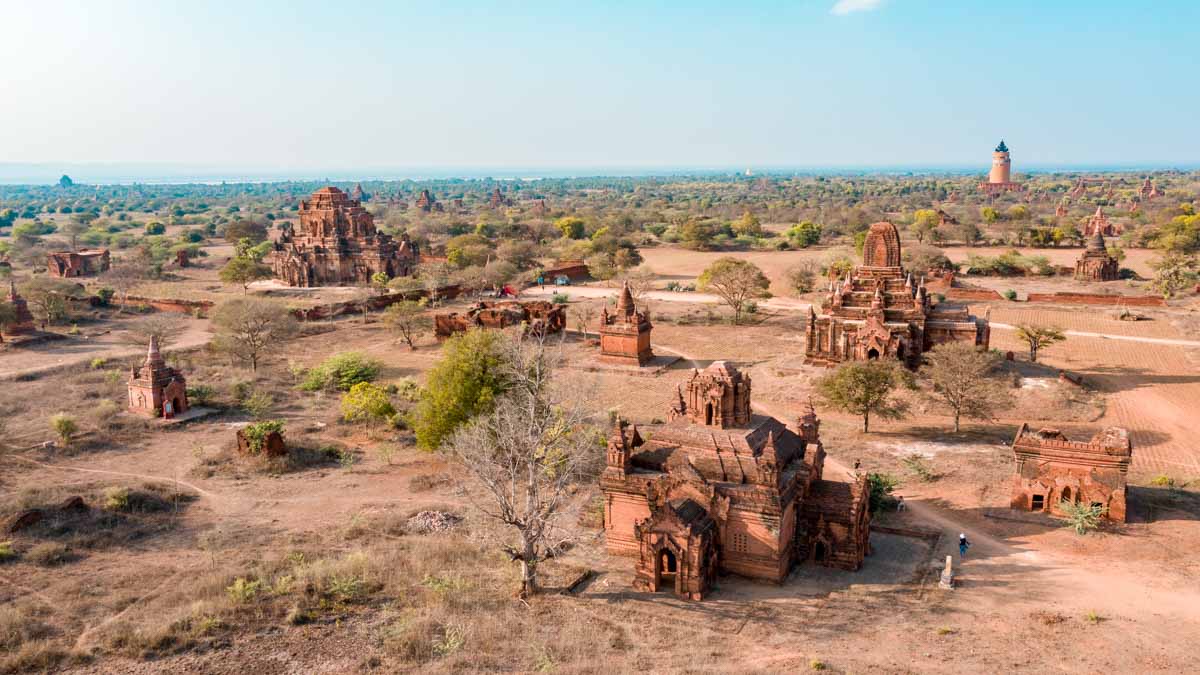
305	86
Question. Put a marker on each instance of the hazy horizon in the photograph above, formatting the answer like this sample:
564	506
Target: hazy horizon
119	173
296	89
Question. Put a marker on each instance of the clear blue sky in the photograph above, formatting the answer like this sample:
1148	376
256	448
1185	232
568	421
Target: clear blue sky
315	85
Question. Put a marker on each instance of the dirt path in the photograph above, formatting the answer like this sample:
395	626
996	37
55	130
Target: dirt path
1111	336
785	304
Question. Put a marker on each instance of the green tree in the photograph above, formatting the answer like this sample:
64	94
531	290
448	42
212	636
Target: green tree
925	221
65	426
571	227
1038	338
736	281
697	234
248	328
747	226
989	214
243	271
804	234
464	383
866	388
963	378
366	402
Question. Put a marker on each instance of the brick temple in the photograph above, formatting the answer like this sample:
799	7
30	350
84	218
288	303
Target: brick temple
336	243
83	263
1095	264
718	489
625	334
879	312
1052	469
1098	223
1148	191
156	389
428	203
23	325
538	316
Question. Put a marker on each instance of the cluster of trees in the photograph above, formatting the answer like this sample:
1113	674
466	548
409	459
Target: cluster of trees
964	380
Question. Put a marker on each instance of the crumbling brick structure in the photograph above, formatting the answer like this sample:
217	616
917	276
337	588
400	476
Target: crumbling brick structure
71	264
272	444
1052	469
156	389
1095	264
336	243
23	325
625	334
539	318
879	312
720	489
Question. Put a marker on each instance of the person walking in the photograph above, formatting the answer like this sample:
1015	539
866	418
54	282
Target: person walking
963	545
899	503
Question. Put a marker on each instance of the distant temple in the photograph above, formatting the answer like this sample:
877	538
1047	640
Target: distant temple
71	264
336	243
24	319
625	334
156	389
1148	191
428	203
1096	264
1000	177
720	489
878	312
498	199
1098	223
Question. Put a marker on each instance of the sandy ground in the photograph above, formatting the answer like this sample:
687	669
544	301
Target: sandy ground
1025	590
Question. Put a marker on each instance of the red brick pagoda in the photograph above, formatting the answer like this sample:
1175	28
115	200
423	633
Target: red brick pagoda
625	334
337	244
155	389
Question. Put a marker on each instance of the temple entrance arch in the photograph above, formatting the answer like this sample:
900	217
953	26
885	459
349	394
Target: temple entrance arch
872	354
820	552
708	414
666	570
1066	495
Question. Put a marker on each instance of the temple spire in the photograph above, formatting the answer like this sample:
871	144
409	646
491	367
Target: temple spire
625	302
153	356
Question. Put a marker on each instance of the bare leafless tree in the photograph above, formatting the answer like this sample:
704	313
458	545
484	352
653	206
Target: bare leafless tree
122	276
167	328
584	312
528	453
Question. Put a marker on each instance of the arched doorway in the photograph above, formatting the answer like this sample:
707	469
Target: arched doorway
708	413
900	352
668	567
1066	495
820	552
872	354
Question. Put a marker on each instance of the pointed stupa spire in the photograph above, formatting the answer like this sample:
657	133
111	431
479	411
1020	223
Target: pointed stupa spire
625	301
153	356
1099	211
1096	243
12	290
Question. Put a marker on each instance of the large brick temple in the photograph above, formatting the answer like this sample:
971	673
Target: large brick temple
720	489
336	243
877	311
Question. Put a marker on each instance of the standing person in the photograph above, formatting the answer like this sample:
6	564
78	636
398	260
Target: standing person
899	503
963	545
